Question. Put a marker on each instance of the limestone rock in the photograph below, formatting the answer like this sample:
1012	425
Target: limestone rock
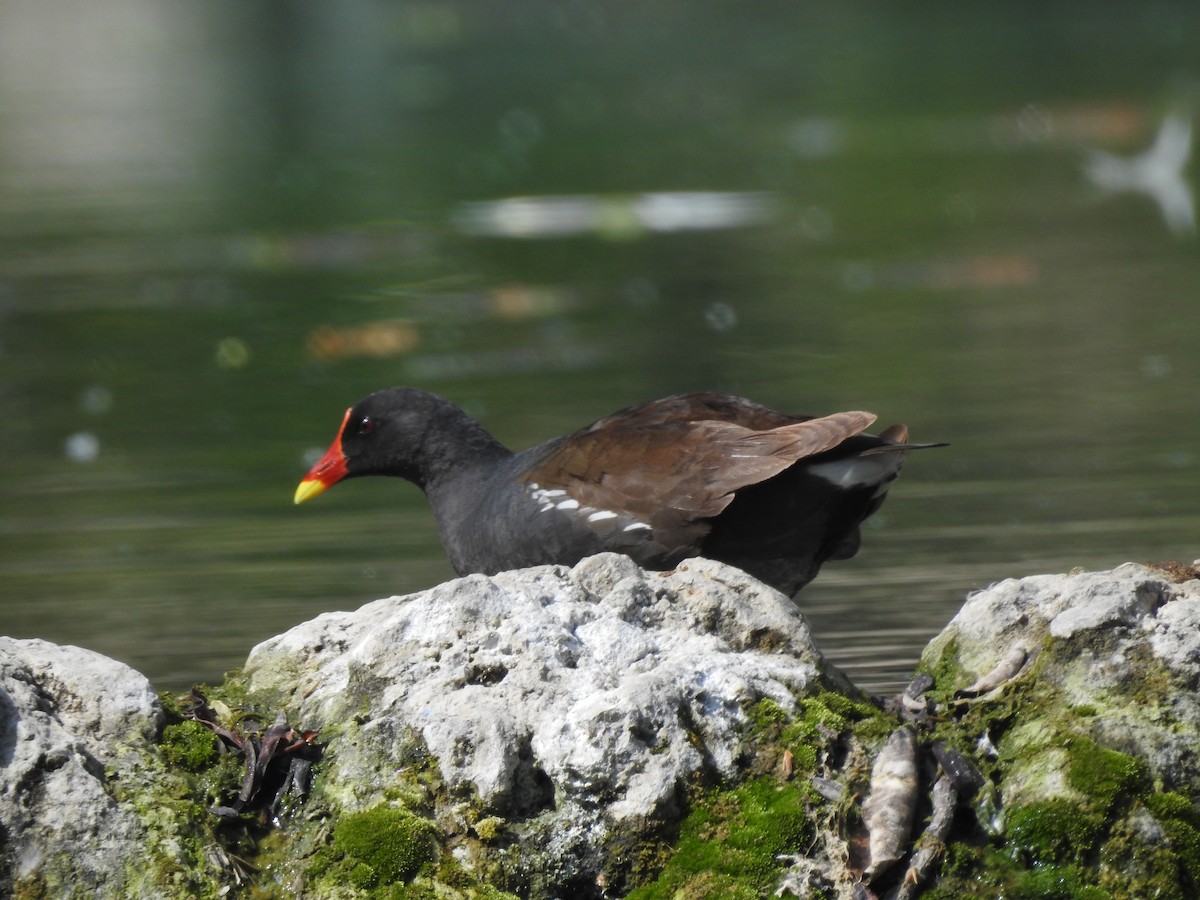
542	728
1090	748
1122	645
574	699
69	722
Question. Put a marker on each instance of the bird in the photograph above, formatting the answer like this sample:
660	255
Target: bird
699	474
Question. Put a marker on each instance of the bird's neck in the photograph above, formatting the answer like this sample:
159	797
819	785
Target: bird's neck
456	453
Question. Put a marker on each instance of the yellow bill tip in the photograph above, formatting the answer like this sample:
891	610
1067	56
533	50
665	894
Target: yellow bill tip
309	488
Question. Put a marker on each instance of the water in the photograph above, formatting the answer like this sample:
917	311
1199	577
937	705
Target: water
220	226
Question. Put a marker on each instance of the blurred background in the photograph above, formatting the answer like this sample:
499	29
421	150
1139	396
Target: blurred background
223	223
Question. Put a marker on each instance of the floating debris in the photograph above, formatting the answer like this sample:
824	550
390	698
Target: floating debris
961	771
932	843
1005	671
232	353
891	804
720	317
915	706
96	399
278	762
614	216
817	138
972	272
374	339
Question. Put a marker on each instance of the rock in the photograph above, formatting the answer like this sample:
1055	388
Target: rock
1123	645
582	731
72	722
571	701
1095	774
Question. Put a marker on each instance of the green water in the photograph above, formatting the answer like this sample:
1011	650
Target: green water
221	224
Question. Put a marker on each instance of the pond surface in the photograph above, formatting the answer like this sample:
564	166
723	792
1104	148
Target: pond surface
221	224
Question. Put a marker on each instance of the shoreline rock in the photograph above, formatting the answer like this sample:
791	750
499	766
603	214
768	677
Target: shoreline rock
600	731
601	681
77	743
576	703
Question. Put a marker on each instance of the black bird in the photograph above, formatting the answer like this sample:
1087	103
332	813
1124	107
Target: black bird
691	475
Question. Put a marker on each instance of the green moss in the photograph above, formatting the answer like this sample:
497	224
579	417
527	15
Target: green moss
819	720
1052	832
189	745
1185	843
848	708
1075	824
803	736
1056	883
1103	775
1140	860
383	845
979	872
985	871
946	668
767	712
384	852
360	875
1168	805
489	828
33	888
1181	823
729	843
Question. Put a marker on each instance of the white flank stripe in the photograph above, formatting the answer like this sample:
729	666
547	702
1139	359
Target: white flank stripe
869	471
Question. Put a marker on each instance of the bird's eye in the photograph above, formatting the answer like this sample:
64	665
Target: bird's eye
366	425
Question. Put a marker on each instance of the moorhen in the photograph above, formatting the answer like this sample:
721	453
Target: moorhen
691	475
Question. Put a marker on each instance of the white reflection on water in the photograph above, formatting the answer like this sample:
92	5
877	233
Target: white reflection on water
82	447
614	215
1158	173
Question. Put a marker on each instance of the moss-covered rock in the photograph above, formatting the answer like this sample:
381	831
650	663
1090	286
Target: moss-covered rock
1090	780
458	764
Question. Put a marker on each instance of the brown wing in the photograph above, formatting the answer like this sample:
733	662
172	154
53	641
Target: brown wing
673	474
697	407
